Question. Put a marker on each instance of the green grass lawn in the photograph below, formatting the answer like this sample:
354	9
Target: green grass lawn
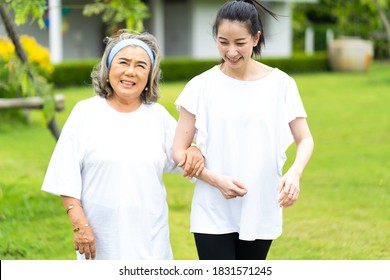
343	211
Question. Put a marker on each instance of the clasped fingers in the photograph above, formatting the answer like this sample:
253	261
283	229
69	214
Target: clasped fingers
231	188
194	163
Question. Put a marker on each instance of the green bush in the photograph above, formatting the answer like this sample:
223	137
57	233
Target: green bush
185	69
78	73
73	73
177	69
300	63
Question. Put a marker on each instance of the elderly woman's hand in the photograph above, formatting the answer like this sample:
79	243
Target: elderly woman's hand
84	241
192	162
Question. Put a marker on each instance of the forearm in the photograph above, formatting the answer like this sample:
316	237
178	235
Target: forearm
184	135
303	154
75	211
304	143
177	154
209	177
229	187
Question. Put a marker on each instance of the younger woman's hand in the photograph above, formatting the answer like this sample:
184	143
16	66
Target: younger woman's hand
288	188
230	188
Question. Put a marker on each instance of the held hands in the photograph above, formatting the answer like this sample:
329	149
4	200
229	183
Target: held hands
288	188
84	241
192	162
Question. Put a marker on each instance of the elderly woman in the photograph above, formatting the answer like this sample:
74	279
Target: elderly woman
109	161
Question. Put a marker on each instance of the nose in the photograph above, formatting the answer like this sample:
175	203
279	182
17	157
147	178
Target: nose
130	70
232	51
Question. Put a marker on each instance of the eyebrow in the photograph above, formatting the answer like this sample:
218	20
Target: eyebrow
239	39
138	61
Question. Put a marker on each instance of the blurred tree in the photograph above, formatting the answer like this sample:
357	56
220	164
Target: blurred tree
348	18
383	9
114	13
31	82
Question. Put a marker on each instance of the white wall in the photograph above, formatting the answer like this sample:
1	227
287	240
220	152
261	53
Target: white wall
278	37
84	36
278	33
155	23
177	26
203	43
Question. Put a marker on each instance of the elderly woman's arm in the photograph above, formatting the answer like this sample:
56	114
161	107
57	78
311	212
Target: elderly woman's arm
84	240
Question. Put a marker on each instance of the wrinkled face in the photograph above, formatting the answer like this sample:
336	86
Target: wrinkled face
235	43
129	72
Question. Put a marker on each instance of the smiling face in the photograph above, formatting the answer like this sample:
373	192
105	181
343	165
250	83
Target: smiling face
129	74
235	43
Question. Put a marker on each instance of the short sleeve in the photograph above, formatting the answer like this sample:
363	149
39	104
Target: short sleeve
189	97
293	103
292	108
63	175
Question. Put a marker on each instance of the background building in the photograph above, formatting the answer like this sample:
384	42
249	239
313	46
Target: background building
183	28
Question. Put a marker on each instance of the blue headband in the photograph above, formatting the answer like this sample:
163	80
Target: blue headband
126	43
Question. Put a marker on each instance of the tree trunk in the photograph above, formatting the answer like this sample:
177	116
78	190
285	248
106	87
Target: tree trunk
11	31
385	22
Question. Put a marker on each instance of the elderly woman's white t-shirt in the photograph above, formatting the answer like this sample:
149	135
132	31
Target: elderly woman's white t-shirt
114	162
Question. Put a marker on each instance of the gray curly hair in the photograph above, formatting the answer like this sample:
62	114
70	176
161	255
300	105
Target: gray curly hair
100	72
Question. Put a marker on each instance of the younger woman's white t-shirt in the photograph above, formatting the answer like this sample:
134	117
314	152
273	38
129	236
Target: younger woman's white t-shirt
243	131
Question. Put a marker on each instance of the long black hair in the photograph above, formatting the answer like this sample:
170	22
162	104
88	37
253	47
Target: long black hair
245	11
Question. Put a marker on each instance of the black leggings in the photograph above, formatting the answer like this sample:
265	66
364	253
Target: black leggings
229	247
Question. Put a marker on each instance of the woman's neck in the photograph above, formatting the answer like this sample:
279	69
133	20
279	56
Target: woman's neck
251	71
124	105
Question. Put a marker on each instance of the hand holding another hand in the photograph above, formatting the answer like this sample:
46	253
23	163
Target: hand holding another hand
192	162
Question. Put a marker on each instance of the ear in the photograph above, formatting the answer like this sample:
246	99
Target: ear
256	38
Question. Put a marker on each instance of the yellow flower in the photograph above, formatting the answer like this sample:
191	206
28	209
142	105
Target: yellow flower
35	52
6	48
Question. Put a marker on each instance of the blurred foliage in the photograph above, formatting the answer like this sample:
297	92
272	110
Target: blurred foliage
114	14
24	79
35	52
357	18
24	10
16	81
21	78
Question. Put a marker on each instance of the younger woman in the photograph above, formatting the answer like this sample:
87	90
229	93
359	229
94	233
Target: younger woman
243	115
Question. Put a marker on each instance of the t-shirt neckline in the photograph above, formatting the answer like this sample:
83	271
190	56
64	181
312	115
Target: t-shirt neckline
227	77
